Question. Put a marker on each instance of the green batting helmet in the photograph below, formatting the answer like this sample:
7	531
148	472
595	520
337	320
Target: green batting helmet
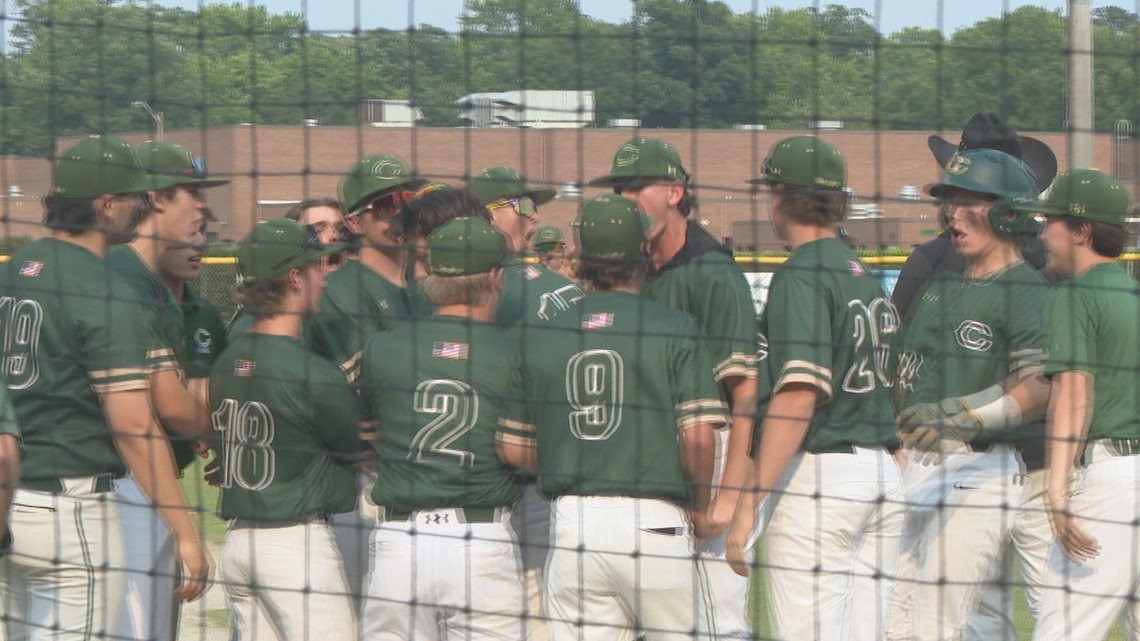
998	174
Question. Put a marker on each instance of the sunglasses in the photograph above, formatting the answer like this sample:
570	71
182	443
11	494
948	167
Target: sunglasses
524	205
389	204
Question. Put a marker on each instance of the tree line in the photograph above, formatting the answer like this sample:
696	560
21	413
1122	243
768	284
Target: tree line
75	66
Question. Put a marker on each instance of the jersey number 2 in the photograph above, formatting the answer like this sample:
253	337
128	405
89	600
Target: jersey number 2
455	408
248	458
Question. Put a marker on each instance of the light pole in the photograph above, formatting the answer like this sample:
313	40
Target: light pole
1080	84
156	116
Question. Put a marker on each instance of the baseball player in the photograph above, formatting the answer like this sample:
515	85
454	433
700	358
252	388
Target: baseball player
691	272
77	361
549	247
174	217
1092	322
970	355
288	423
624	410
532	294
444	561
823	468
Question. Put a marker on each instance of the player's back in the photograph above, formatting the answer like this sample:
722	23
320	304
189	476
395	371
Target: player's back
288	420
828	322
535	295
72	329
609	397
436	390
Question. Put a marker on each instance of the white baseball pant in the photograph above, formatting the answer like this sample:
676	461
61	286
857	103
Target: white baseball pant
148	612
353	532
436	577
286	582
531	522
961	514
1082	602
728	591
61	581
623	568
1030	541
832	544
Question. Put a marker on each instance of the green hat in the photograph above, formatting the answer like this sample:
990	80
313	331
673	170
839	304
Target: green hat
503	182
1083	193
643	158
174	163
547	238
371	175
986	171
804	161
612	227
99	165
464	247
276	246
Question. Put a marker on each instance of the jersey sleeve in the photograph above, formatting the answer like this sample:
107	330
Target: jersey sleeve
696	399
121	346
1026	332
363	384
1068	323
729	321
338	333
514	426
335	408
799	336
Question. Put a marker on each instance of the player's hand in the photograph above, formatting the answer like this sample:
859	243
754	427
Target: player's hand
915	416
720	514
701	529
212	472
203	449
928	439
1074	539
195	566
736	541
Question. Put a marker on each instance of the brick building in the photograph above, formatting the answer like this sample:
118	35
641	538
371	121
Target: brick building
274	166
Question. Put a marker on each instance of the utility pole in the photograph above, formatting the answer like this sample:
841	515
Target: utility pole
1080	92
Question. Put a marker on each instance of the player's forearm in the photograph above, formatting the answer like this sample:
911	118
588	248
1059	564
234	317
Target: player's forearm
783	430
738	463
698	455
1066	424
9	475
177	407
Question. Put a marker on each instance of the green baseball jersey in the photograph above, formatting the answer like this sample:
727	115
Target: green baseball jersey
1092	322
356	303
204	334
963	335
288	422
163	312
828	324
704	281
72	331
437	391
535	295
8	422
608	397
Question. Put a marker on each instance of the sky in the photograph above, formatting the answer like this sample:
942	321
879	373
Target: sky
889	15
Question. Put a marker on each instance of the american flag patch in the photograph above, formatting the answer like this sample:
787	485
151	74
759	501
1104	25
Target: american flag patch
598	321
532	272
31	268
856	268
449	350
244	367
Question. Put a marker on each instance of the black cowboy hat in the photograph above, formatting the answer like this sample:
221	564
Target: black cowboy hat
987	131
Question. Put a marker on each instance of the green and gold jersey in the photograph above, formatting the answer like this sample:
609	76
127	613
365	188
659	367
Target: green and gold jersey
608	397
963	335
356	303
160	306
703	281
72	331
828	324
436	392
535	295
288	422
204	334
1092	323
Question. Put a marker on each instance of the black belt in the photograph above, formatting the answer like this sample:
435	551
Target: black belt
465	514
100	484
1114	447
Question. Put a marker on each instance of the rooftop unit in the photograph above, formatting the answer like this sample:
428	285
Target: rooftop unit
543	109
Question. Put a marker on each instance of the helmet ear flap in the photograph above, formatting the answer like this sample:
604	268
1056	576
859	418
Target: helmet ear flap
1007	220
